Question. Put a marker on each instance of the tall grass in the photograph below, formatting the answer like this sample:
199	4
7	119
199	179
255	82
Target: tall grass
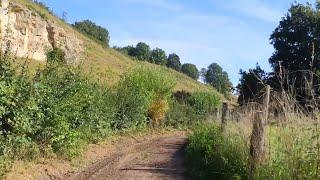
292	149
211	155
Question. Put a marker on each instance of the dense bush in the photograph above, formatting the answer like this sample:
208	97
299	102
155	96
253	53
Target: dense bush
190	70
204	102
158	56
173	62
187	109
72	109
211	155
56	110
89	28
181	115
137	92
141	52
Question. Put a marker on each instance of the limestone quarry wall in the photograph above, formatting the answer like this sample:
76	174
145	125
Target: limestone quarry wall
29	35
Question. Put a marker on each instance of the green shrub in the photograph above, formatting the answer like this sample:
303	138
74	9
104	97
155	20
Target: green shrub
187	109
56	55
94	31
136	92
71	108
190	70
16	110
204	102
57	110
210	155
181	115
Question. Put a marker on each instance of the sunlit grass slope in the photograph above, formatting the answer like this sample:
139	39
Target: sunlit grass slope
109	64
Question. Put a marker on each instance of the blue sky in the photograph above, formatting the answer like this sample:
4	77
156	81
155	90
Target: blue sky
232	33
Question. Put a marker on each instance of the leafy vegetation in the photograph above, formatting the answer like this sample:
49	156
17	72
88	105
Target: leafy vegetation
137	92
190	70
142	52
204	102
211	155
187	109
89	28
57	110
60	110
216	77
295	62
173	62
158	56
251	85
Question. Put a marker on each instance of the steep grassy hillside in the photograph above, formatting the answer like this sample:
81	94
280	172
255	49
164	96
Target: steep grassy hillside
108	63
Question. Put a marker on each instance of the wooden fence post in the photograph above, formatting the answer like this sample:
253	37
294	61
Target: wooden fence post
257	142
266	101
224	116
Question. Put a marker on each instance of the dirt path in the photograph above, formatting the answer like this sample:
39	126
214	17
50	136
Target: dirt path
160	158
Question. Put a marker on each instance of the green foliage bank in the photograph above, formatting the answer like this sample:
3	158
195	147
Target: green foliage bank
59	110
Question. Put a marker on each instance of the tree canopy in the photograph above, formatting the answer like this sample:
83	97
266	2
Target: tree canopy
297	49
142	51
158	56
98	33
174	62
190	70
216	77
296	59
251	85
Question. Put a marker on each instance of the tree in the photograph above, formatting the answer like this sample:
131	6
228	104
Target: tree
142	52
94	31
158	56
251	85
174	62
128	50
216	77
297	50
190	70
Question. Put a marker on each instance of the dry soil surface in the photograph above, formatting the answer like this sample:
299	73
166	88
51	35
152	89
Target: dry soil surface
159	158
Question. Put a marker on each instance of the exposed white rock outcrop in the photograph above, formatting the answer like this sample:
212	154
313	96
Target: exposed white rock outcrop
30	35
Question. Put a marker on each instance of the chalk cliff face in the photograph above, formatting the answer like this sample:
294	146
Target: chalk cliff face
30	35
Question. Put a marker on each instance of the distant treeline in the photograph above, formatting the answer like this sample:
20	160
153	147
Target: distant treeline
295	62
143	52
214	75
